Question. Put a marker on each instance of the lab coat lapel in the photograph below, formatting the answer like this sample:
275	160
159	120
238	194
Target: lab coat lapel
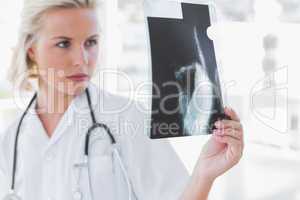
65	124
34	128
78	108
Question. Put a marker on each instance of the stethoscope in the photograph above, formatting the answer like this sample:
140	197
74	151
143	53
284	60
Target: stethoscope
77	193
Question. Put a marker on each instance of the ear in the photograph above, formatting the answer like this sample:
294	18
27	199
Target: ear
31	53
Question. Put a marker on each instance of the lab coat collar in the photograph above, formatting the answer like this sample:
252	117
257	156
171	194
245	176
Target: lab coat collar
80	103
34	127
78	106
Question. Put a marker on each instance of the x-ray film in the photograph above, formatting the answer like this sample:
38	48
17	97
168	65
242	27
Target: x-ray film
186	92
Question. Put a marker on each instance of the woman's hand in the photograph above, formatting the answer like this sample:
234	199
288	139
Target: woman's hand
223	150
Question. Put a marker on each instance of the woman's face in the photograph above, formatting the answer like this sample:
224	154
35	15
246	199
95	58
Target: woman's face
66	49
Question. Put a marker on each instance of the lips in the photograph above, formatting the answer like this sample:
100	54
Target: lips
78	77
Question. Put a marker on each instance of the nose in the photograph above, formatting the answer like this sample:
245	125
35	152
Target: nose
80	56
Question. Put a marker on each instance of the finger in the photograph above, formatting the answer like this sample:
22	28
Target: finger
237	134
235	147
232	142
228	124
231	113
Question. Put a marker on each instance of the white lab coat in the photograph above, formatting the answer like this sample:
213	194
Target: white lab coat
45	165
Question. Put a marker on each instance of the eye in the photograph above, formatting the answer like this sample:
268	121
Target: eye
91	43
64	44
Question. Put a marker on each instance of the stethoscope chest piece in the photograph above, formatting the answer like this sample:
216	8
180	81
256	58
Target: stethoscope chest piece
12	196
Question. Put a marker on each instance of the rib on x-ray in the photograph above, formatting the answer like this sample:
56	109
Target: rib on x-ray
186	90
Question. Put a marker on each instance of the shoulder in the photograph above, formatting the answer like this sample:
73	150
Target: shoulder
126	113
7	142
112	103
6	149
7	136
132	115
108	104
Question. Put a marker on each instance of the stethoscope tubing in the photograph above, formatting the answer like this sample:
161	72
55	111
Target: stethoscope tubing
95	125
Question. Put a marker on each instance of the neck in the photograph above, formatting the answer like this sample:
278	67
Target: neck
50	107
51	101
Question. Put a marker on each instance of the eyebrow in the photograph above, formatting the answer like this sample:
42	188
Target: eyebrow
68	38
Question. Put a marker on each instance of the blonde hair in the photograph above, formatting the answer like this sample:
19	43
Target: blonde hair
22	69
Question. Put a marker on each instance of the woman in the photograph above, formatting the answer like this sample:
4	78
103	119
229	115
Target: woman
58	47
